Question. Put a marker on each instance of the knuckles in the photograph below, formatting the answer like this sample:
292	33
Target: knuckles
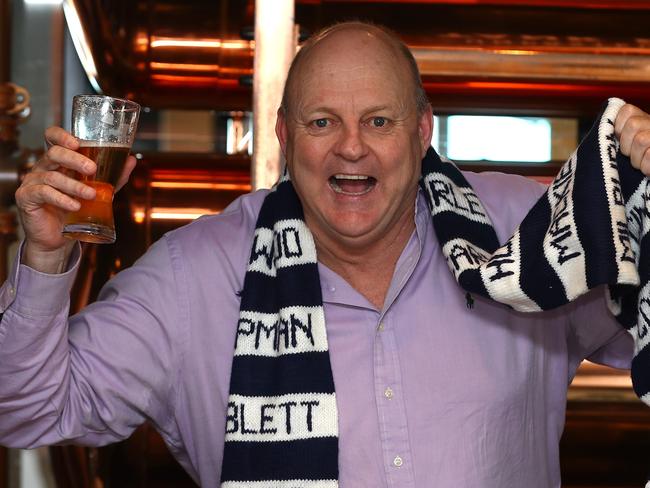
53	153
629	120
628	110
55	135
29	180
63	157
36	185
20	195
28	194
49	178
642	138
645	166
636	123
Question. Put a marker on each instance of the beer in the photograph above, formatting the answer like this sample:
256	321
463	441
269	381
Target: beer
93	222
110	160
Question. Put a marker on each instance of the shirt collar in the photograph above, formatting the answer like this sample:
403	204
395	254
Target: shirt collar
336	290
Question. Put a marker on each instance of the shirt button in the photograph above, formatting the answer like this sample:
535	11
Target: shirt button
388	393
12	290
380	327
397	462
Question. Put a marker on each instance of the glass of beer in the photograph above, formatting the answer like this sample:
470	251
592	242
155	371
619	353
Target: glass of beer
105	127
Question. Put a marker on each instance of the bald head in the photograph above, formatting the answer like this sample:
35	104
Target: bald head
344	39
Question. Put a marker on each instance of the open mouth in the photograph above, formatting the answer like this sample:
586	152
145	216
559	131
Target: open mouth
354	185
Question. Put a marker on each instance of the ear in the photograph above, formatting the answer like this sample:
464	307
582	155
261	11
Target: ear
425	129
281	130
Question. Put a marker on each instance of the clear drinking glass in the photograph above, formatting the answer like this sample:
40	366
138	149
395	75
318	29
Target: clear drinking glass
105	127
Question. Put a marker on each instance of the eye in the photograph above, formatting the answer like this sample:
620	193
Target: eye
320	123
379	122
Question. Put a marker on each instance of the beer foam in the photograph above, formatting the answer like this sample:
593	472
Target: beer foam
85	143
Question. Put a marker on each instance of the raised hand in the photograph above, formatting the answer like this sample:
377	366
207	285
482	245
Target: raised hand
48	192
632	127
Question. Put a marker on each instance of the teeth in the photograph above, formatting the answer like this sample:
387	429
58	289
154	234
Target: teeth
334	183
351	177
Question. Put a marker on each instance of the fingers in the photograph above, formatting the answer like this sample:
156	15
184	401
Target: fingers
640	152
56	136
61	153
51	188
129	166
37	196
632	127
60	157
47	184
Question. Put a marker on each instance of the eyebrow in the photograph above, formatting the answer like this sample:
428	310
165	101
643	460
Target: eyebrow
377	108
322	108
397	112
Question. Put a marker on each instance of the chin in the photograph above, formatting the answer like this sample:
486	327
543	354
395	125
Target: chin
353	229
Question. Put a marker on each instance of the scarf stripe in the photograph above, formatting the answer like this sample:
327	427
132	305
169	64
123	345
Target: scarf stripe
641	362
547	290
562	244
303	291
282	484
595	187
589	229
295	460
292	369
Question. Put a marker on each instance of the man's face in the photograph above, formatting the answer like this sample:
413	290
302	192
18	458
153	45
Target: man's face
353	140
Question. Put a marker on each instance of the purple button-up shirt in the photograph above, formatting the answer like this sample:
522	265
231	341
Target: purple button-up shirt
430	393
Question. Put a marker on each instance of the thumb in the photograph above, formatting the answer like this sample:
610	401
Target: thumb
129	166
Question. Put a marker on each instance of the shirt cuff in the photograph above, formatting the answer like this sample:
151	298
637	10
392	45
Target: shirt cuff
31	292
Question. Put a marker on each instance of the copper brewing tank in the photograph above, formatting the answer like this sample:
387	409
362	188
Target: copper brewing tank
172	53
553	56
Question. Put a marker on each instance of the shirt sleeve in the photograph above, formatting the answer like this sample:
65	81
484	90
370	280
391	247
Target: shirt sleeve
92	378
595	334
592	331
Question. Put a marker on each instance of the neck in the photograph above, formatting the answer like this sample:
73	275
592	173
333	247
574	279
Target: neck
367	267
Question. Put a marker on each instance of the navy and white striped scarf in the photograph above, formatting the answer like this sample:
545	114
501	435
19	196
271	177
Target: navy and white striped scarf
589	229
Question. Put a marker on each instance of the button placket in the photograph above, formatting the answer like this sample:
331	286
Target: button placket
390	408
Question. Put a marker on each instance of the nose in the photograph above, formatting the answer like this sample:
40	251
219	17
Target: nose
351	144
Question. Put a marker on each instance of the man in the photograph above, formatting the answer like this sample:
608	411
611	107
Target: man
429	393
